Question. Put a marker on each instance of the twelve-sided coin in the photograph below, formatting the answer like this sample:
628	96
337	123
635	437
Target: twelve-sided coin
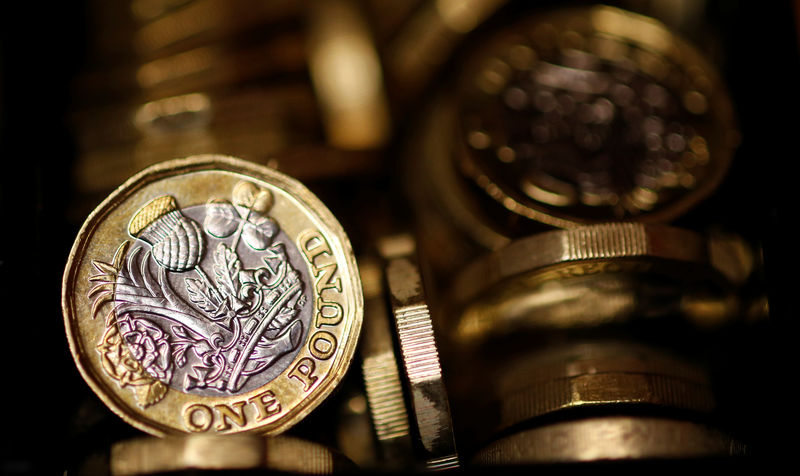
213	295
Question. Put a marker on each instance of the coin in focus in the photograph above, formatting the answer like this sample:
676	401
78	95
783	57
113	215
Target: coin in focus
212	295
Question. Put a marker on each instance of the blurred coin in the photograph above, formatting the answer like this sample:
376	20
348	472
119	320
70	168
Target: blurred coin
283	454
379	366
420	356
204	21
593	114
347	75
610	438
210	68
213	295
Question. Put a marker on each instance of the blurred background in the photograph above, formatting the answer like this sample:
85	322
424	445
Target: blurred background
335	93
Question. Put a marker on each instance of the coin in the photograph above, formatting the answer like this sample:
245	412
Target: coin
593	114
212	295
588	276
419	353
230	453
610	438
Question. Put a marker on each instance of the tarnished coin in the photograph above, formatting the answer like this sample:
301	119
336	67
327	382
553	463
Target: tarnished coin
212	295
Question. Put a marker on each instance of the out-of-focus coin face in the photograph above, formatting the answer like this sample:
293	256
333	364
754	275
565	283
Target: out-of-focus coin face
593	115
212	295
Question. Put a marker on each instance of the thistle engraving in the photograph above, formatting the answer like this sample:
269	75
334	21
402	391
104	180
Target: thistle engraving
216	309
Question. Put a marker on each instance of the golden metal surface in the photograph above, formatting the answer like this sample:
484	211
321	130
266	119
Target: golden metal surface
298	318
585	276
419	49
420	358
283	454
547	117
610	438
515	188
585	374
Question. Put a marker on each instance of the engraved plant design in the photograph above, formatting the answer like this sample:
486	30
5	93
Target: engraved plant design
235	326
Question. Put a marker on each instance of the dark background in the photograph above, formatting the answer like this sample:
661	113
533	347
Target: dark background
49	416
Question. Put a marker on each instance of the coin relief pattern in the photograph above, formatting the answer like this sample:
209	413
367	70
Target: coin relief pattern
216	309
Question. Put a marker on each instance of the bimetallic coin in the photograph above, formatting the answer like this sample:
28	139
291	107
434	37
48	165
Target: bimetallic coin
592	275
589	115
212	295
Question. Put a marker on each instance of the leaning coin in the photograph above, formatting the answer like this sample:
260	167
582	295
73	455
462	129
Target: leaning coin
576	117
212	295
420	355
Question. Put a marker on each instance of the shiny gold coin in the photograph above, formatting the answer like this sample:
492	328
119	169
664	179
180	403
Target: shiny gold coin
585	374
588	276
212	295
384	389
573	117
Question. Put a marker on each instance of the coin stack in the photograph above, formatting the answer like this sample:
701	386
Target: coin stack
245	78
578	343
209	79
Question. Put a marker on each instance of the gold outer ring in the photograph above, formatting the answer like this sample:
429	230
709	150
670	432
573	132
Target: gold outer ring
231	452
303	392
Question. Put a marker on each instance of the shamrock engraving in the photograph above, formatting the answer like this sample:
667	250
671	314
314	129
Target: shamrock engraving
245	217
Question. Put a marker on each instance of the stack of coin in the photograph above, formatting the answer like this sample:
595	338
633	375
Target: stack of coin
574	117
550	298
607	125
296	85
594	400
404	383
